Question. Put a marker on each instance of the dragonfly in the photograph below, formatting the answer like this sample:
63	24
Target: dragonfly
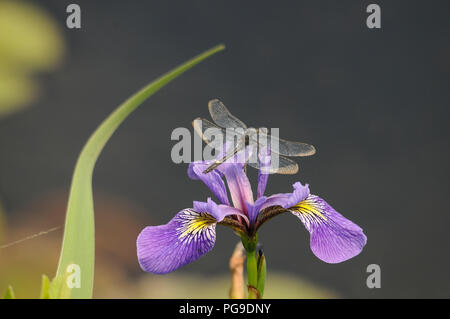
243	136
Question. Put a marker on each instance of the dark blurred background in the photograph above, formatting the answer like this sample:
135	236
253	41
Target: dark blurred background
373	102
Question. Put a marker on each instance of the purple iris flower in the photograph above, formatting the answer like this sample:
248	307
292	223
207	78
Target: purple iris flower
192	232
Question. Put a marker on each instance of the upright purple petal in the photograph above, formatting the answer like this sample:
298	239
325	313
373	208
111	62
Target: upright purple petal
334	238
213	180
187	237
254	209
219	212
238	184
264	164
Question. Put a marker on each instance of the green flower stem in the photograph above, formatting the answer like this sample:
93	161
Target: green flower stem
252	266
252	273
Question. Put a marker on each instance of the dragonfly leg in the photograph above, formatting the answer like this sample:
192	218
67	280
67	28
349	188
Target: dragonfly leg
223	159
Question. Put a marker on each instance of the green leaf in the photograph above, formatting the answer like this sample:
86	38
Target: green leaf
9	294
55	289
78	242
45	288
59	289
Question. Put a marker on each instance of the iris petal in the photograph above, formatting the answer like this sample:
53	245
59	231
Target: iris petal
213	180
238	184
334	238
219	212
264	163
187	237
255	209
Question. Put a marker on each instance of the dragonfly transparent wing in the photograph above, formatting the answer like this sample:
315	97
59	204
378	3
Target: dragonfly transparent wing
278	165
286	148
229	153
206	129
222	117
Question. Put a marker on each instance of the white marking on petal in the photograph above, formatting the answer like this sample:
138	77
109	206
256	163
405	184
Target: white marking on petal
196	226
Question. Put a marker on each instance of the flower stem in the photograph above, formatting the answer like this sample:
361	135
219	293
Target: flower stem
252	273
252	266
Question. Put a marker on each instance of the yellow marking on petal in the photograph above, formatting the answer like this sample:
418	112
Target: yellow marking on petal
309	207
195	222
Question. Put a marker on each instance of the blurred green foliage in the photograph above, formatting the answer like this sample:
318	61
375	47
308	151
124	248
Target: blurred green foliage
9	294
30	41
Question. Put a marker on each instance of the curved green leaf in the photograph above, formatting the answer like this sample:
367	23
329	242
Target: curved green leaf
78	241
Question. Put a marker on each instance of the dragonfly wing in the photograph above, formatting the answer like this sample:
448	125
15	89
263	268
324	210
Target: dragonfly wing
213	135
278	165
229	153
287	166
205	129
288	148
223	117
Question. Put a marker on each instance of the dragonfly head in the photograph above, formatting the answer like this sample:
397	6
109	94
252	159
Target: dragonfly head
250	133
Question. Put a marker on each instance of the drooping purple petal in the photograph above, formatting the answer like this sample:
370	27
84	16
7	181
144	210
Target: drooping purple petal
187	237
264	164
213	180
334	238
288	199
